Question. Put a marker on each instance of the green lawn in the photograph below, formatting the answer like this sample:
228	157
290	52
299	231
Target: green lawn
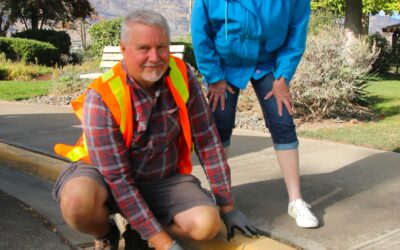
15	90
384	91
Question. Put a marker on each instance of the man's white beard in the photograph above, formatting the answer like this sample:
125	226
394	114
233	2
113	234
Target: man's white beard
152	76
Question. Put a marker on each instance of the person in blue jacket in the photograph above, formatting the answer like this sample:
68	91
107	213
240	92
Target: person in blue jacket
262	42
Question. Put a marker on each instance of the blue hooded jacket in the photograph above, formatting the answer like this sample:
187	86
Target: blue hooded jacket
235	40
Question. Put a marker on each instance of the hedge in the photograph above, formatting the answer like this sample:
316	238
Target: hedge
29	51
60	39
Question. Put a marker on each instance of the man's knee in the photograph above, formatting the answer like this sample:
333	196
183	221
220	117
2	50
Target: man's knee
203	223
79	198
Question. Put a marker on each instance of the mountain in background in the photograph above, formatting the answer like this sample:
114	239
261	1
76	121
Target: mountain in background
175	11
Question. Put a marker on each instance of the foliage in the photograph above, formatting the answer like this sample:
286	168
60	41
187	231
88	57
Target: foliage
369	6
381	134
383	61
35	14
60	39
105	33
81	25
67	78
326	85
20	71
319	19
188	55
29	51
396	54
17	90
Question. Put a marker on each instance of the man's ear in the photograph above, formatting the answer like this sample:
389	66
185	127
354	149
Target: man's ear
122	47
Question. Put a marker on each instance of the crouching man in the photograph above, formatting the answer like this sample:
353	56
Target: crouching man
140	121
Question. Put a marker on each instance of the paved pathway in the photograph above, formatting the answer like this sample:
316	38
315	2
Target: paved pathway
353	190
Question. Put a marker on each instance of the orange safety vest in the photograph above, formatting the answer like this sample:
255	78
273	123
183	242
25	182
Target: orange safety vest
115	92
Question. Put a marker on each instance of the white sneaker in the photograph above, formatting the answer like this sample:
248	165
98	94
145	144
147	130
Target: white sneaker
300	211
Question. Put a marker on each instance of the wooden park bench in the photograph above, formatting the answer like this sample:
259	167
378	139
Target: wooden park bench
112	55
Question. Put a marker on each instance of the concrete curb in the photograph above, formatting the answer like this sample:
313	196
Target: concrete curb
26	161
48	168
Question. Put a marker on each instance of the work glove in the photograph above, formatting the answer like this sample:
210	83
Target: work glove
175	246
237	220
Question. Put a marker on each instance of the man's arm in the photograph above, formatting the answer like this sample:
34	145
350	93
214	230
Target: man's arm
211	155
109	154
208	145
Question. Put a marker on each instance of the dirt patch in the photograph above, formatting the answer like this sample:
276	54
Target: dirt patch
43	77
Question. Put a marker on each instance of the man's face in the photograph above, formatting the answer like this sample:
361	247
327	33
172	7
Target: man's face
146	53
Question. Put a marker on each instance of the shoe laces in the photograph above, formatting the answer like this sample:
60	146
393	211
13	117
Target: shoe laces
302	208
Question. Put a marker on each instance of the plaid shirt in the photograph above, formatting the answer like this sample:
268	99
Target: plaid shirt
154	152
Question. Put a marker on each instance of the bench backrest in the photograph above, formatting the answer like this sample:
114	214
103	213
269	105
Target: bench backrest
112	55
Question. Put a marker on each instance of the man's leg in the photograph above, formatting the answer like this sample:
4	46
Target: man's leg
182	206
198	223
83	206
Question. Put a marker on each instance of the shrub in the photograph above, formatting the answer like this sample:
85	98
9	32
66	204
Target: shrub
3	73
188	55
60	39
321	19
29	51
383	61
67	79
326	85
104	33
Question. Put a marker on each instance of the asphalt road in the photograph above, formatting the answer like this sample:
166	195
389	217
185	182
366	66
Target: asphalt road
21	227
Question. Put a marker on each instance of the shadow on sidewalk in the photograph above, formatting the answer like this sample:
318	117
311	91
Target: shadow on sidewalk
39	132
349	191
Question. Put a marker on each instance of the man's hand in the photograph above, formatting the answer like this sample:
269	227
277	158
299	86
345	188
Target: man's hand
234	219
282	95
162	241
216	92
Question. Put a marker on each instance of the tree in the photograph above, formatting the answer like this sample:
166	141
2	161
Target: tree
368	6
6	18
37	13
353	19
356	12
105	33
82	26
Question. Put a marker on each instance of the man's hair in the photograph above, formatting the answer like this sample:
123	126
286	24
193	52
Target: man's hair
146	17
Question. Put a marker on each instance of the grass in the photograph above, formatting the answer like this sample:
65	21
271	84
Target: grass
17	90
20	71
384	92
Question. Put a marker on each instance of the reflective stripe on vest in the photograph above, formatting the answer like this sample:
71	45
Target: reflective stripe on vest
115	93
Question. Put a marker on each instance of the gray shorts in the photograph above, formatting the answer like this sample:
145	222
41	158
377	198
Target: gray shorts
165	198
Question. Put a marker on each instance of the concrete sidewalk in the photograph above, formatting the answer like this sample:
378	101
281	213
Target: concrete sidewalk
352	189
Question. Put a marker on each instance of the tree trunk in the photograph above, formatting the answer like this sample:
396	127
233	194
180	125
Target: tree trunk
365	25
352	27
83	28
34	22
4	28
4	23
353	19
